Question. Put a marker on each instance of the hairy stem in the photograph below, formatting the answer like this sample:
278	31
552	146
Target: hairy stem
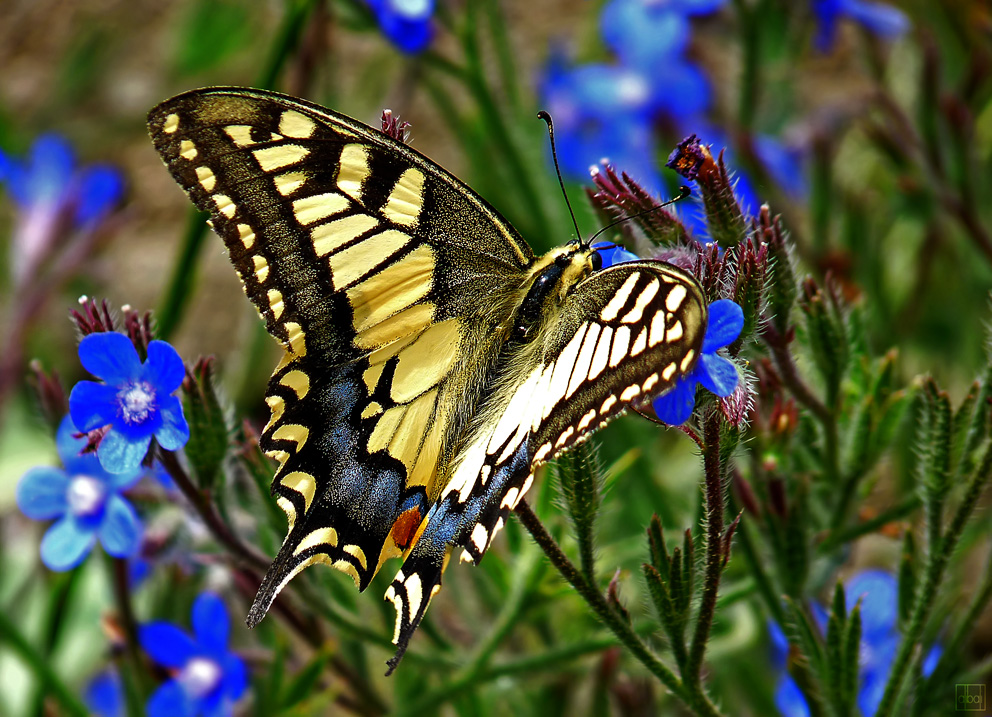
620	627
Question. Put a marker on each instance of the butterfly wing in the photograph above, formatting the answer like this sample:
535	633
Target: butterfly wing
365	261
623	336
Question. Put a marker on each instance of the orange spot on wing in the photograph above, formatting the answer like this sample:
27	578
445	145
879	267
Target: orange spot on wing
405	527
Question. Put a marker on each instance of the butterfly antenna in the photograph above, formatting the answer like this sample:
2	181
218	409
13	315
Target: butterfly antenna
554	155
683	193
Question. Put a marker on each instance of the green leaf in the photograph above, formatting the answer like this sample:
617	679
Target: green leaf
851	659
208	431
305	681
659	551
834	650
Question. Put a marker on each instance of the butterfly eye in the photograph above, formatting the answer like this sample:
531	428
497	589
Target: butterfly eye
597	261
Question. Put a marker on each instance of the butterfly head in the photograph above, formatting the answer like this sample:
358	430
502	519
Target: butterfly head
551	280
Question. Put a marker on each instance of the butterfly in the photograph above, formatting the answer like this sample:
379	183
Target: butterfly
431	362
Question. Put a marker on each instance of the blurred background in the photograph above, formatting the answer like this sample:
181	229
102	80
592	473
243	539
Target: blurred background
866	125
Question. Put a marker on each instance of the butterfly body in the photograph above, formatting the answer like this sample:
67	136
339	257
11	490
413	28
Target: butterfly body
432	362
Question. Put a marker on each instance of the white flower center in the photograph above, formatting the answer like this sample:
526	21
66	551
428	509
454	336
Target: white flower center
412	9
632	89
136	400
200	677
86	496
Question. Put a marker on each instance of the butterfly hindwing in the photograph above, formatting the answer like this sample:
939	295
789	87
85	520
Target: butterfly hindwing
642	323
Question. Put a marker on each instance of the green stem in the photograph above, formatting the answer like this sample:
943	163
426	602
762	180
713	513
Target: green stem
203	506
125	611
714	548
41	667
620	627
936	564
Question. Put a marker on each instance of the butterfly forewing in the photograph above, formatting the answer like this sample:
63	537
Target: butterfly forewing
364	259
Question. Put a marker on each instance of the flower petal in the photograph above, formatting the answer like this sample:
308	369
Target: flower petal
119	454
92	405
726	319
166	644
170	700
49	170
174	430
613	254
641	35
790	699
878	592
66	544
210	622
675	407
41	493
98	189
883	20
120	529
104	695
717	374
123	481
110	356
235	676
164	368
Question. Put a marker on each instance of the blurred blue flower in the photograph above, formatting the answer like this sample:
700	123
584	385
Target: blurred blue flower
407	23
209	678
610	111
136	399
879	18
601	112
878	592
104	695
644	32
714	372
86	500
54	196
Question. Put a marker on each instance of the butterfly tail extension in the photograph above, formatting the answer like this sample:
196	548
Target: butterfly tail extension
471	512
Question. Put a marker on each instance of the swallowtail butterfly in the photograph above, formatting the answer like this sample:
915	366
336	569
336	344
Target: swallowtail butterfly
432	362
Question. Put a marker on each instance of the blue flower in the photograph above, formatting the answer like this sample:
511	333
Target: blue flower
407	23
613	254
879	18
208	678
714	372
104	695
878	592
86	500
53	195
610	111
136	399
